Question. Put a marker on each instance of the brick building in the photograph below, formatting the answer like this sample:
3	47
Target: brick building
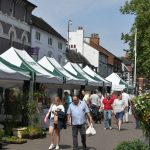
101	60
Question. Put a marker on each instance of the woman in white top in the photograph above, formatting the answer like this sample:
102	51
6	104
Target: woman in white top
118	108
54	108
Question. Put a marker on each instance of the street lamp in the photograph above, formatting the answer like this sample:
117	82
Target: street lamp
135	55
69	23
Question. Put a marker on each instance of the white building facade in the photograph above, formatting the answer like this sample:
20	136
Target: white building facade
46	41
78	42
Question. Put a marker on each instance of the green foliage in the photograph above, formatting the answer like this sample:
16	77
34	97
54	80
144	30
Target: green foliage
142	108
141	11
32	112
132	145
33	132
1	133
13	140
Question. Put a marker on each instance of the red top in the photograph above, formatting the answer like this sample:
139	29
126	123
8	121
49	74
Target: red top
107	104
113	96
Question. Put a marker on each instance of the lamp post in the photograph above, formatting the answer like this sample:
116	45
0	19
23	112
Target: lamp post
135	55
69	23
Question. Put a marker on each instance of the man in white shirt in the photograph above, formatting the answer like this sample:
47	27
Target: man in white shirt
126	98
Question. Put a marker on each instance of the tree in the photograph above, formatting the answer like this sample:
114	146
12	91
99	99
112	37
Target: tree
141	10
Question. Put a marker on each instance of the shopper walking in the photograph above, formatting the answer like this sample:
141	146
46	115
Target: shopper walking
95	104
55	108
78	111
118	109
126	99
107	102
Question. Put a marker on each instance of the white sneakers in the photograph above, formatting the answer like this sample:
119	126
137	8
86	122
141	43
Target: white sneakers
57	147
52	146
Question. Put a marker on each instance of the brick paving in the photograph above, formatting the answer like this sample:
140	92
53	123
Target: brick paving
103	140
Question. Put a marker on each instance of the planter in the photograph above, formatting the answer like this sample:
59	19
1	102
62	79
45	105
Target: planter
18	132
36	136
13	140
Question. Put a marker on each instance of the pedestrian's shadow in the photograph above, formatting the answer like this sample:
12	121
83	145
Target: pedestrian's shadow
79	148
88	148
65	146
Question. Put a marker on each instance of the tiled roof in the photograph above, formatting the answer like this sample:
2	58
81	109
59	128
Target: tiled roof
75	57
43	25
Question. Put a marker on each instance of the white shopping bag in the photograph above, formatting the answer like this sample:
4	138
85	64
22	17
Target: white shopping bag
90	130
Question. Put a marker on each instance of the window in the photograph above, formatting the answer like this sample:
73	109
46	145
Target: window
74	46
59	45
50	41
71	46
12	36
49	54
25	15
37	36
12	8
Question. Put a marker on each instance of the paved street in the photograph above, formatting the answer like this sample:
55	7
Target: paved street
103	140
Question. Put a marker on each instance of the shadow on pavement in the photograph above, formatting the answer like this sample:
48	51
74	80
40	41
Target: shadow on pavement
4	146
88	148
79	148
65	146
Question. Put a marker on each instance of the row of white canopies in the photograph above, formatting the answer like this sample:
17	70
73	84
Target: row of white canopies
17	65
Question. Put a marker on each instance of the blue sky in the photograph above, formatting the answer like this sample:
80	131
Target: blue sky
95	16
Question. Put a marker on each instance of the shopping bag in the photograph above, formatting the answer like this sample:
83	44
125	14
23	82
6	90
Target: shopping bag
130	111
93	131
90	130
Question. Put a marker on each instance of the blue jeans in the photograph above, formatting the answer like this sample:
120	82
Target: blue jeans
107	118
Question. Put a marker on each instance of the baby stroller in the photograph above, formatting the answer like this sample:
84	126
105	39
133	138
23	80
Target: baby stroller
96	115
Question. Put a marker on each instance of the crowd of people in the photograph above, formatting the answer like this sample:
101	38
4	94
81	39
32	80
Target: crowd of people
81	110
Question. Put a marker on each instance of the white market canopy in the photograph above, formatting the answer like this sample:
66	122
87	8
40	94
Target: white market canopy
117	83
10	77
90	72
23	60
50	64
75	69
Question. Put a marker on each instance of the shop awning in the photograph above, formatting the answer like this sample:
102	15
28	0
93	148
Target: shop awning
75	69
96	76
51	65
118	84
23	60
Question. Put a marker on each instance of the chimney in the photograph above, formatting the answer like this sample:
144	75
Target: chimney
80	28
95	39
